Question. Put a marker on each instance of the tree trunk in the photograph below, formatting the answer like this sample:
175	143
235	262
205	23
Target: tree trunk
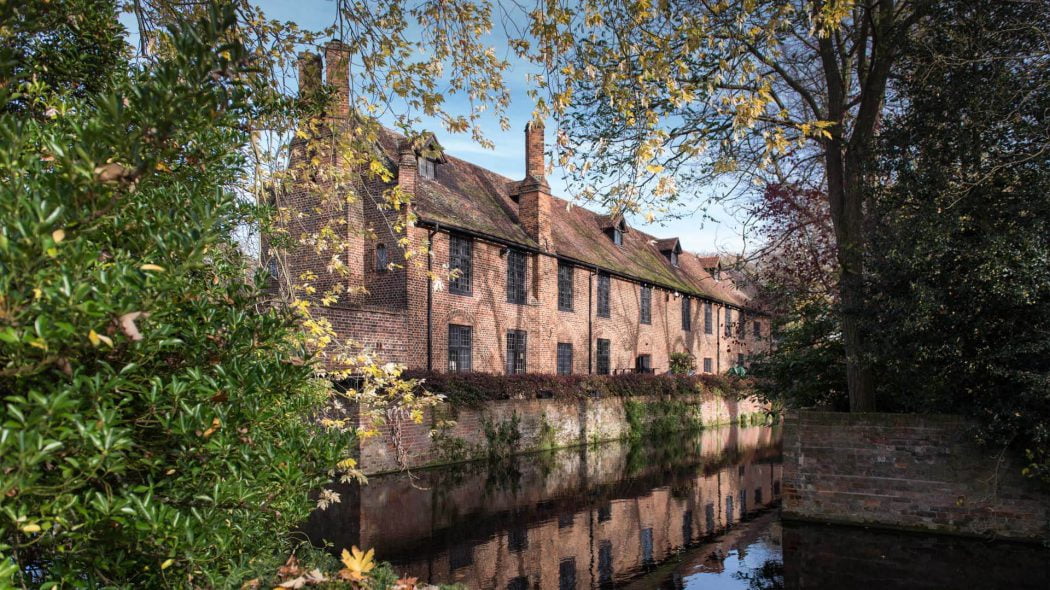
846	197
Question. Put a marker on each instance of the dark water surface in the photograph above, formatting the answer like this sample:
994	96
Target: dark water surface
695	511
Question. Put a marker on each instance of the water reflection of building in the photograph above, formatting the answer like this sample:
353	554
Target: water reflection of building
577	518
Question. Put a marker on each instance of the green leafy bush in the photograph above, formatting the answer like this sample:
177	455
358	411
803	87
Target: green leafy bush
153	429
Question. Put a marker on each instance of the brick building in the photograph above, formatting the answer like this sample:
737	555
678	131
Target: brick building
542	286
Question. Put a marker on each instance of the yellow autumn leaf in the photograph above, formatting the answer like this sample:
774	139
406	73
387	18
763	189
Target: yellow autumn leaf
93	337
654	168
167	563
357	563
58	235
153	267
31	528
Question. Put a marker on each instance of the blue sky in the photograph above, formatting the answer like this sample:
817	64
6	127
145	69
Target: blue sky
717	231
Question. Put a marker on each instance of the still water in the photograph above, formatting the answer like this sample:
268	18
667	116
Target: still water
695	511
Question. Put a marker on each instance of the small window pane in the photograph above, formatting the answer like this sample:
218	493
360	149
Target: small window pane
460	258
687	314
709	366
758	329
646	305
603	295
516	344
381	258
567	574
565	274
618	237
729	322
564	358
709	323
459	349
741	325
516	277
603	356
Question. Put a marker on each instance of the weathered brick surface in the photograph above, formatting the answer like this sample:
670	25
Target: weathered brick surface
543	423
907	471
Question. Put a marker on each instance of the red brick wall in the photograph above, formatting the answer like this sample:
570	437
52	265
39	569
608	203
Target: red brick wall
906	471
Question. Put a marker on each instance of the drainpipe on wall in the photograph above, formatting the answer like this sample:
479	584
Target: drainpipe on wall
430	297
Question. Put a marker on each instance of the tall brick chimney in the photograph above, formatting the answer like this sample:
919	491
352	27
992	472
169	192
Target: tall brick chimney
533	193
407	167
337	72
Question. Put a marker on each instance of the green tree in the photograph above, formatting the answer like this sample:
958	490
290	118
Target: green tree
960	247
154	428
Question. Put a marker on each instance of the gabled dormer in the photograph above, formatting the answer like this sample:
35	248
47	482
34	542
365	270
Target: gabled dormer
713	266
430	155
615	228
671	248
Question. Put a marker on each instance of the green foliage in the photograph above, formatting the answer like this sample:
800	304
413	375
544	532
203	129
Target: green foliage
153	431
961	250
662	417
682	363
807	367
502	438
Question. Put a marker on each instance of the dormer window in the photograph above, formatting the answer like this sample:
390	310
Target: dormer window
670	248
427	168
615	229
674	258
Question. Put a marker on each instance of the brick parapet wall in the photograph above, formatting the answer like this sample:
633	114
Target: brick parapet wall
907	471
542	424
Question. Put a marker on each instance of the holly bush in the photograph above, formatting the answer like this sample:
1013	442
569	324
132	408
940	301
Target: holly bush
154	426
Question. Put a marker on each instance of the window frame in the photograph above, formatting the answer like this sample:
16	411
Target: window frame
381	261
599	369
645	305
427	168
516	339
563	366
566	291
517	282
460	348
463	284
687	313
728	316
709	365
604	295
709	318
757	329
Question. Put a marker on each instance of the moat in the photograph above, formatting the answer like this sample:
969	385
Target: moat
694	511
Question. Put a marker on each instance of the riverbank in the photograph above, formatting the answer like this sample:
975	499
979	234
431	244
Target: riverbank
507	427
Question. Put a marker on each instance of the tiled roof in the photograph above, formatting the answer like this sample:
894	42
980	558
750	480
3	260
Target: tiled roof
468	197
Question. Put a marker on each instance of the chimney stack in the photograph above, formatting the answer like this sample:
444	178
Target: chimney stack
533	193
337	62
534	167
407	167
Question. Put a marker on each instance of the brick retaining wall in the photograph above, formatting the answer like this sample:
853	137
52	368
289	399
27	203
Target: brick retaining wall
906	471
542	424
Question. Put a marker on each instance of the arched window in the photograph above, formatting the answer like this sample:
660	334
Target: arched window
381	260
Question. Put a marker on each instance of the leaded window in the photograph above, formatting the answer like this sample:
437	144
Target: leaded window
461	260
709	366
646	305
741	325
687	314
381	258
604	350
729	322
758	329
603	295
516	345
565	358
709	322
459	349
516	265
565	273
